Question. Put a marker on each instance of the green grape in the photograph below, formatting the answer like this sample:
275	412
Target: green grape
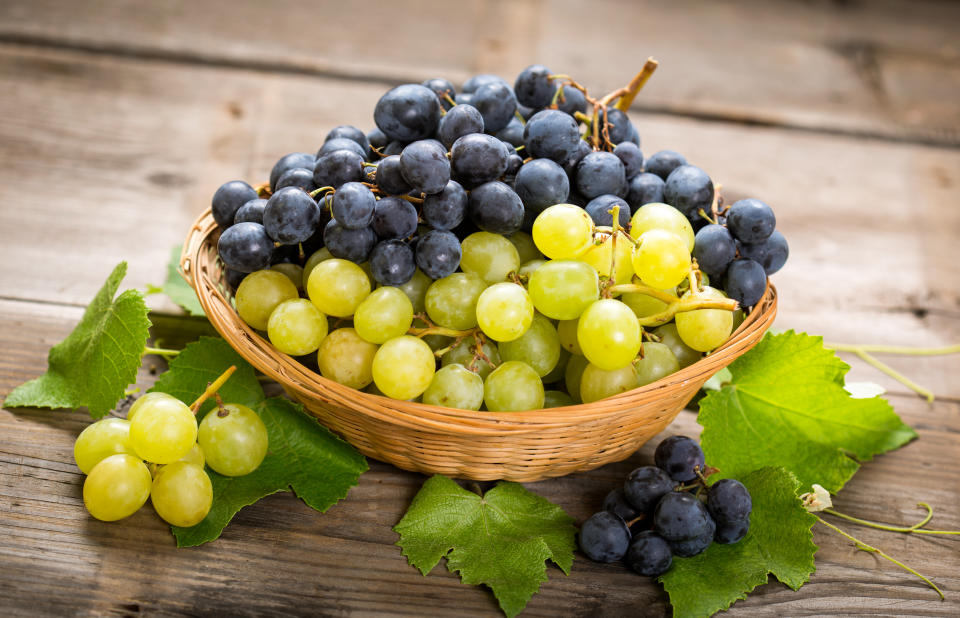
163	430
403	367
318	256
659	216
491	256
296	327
144	400
234	439
562	289
705	329
526	248
572	375
182	494
513	386
451	302
527	268
556	374
294	273
609	334
385	314
116	487
563	231
669	336
259	294
504	311
337	287
109	436
345	357
416	290
194	455
643	305
596	383
455	386
466	355
658	361
557	399
738	317
539	347
599	256
437	342
661	260
567	331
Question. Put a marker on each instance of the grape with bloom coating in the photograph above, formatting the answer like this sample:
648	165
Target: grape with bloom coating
385	314
659	216
403	367
109	436
705	329
259	294
234	439
661	260
513	386
337	287
563	231
539	347
455	386
116	487
658	361
491	256
296	327
346	357
163	430
563	289
182	494
609	334
504	311
451	302
596	384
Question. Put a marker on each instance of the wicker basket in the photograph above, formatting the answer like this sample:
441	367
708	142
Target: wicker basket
516	446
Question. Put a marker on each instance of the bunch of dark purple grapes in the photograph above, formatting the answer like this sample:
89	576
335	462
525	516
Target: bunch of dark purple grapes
660	512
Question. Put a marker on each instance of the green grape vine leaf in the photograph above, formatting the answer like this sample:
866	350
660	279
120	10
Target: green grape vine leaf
303	455
779	542
93	366
785	405
501	539
177	288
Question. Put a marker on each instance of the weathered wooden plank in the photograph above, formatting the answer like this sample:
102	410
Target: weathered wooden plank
887	68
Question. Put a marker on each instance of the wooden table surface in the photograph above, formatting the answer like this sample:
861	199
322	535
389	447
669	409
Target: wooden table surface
118	121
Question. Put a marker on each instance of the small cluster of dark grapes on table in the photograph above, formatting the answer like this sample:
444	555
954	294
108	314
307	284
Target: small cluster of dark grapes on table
667	510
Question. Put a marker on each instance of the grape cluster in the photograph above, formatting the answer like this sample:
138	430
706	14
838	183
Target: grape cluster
655	516
162	431
504	229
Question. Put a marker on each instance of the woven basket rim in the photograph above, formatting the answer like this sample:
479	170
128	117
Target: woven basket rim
199	266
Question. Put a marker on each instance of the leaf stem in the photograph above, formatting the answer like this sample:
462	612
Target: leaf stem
893	349
439	330
164	352
212	388
917	527
869	548
896	375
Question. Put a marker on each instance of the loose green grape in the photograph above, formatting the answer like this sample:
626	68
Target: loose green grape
116	487
451	301
556	374
346	357
513	386
658	362
455	386
466	354
599	256
296	327
259	294
562	289
318	256
504	311
385	314
491	256
573	374
163	430
596	383
234	439
705	329
403	367
416	290
684	354
557	399
182	494
661	260
563	231
527	268
337	287
526	248
109	436
294	273
659	216
539	347
644	305
608	334
567	331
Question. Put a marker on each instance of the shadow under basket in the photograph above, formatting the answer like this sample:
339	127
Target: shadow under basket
515	446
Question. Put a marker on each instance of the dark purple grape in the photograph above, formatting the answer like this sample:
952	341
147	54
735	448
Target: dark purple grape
392	263
511	134
618	125
730	532
772	253
408	113
234	277
245	247
438	253
353	245
464	98
459	121
645	487
644	189
599	210
551	134
495	207
289	162
390	179
751	221
395	147
688	548
714	249
445	210
680	457
680	516
290	216
342	143
745	281
604	537
474	83
478	158
425	166
729	500
228	199
298	177
631	157
664	162
572	101
689	189
571	163
349	132
534	86
353	205
541	183
616	502
285	254
335	168
514	163
252	211
377	140
649	554
394	217
443	89
599	173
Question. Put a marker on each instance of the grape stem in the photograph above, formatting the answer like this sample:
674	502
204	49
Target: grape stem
212	388
449	99
615	231
636	84
687	304
263	189
869	548
642	288
915	528
317	192
164	352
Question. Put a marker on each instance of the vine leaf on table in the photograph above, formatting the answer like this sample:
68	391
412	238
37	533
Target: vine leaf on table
177	288
93	366
501	539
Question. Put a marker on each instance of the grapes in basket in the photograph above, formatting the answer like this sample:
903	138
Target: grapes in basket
501	248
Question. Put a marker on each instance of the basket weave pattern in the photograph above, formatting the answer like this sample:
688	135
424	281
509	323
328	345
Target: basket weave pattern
516	446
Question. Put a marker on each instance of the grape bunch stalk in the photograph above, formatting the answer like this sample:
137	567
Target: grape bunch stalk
501	247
